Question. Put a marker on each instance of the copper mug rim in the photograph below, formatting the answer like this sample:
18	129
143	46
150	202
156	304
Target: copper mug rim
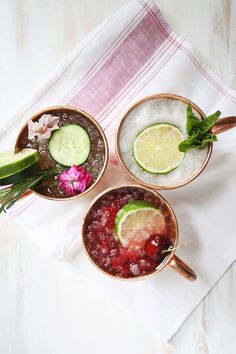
91	119
172	258
118	131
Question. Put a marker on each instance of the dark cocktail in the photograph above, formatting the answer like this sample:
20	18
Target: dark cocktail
77	140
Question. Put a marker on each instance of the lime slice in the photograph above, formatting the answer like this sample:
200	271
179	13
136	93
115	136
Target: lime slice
136	221
156	148
11	163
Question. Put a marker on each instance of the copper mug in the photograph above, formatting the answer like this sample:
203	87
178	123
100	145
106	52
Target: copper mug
68	109
171	260
223	124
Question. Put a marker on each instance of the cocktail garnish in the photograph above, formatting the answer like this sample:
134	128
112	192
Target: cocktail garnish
10	194
43	128
75	180
199	131
155	148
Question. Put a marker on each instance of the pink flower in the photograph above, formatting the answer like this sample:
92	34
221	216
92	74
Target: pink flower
43	127
75	180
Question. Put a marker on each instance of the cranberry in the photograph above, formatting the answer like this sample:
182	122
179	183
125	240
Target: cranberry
154	245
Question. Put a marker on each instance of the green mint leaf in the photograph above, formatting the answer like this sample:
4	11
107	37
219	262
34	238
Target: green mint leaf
189	143
208	138
209	121
199	131
193	123
197	141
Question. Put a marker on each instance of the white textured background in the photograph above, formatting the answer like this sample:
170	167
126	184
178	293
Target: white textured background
39	308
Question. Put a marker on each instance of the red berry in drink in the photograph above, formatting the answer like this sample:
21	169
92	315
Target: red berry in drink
154	245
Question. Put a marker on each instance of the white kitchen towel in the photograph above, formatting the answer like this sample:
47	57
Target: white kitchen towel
133	54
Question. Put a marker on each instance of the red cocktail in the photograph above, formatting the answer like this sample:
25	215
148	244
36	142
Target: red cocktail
129	232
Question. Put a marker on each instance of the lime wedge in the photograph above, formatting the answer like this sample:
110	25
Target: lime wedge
136	221
156	148
11	163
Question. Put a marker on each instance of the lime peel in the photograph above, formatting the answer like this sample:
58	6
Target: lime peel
11	163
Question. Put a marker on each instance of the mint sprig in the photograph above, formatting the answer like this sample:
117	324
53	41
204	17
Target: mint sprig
199	131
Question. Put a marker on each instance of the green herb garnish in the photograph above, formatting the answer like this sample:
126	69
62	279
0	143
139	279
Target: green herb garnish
199	131
9	195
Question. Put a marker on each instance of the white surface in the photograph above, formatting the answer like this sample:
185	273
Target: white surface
22	318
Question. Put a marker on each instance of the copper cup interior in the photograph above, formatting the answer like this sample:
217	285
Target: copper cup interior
53	110
118	149
174	222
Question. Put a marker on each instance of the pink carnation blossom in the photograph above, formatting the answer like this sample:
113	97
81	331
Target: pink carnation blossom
43	127
75	180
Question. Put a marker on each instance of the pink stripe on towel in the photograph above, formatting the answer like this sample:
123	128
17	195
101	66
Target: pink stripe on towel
124	63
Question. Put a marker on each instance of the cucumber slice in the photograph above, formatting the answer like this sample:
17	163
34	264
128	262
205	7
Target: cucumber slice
21	176
70	145
11	163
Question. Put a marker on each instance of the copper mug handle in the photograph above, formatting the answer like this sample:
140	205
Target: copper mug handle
224	124
182	268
